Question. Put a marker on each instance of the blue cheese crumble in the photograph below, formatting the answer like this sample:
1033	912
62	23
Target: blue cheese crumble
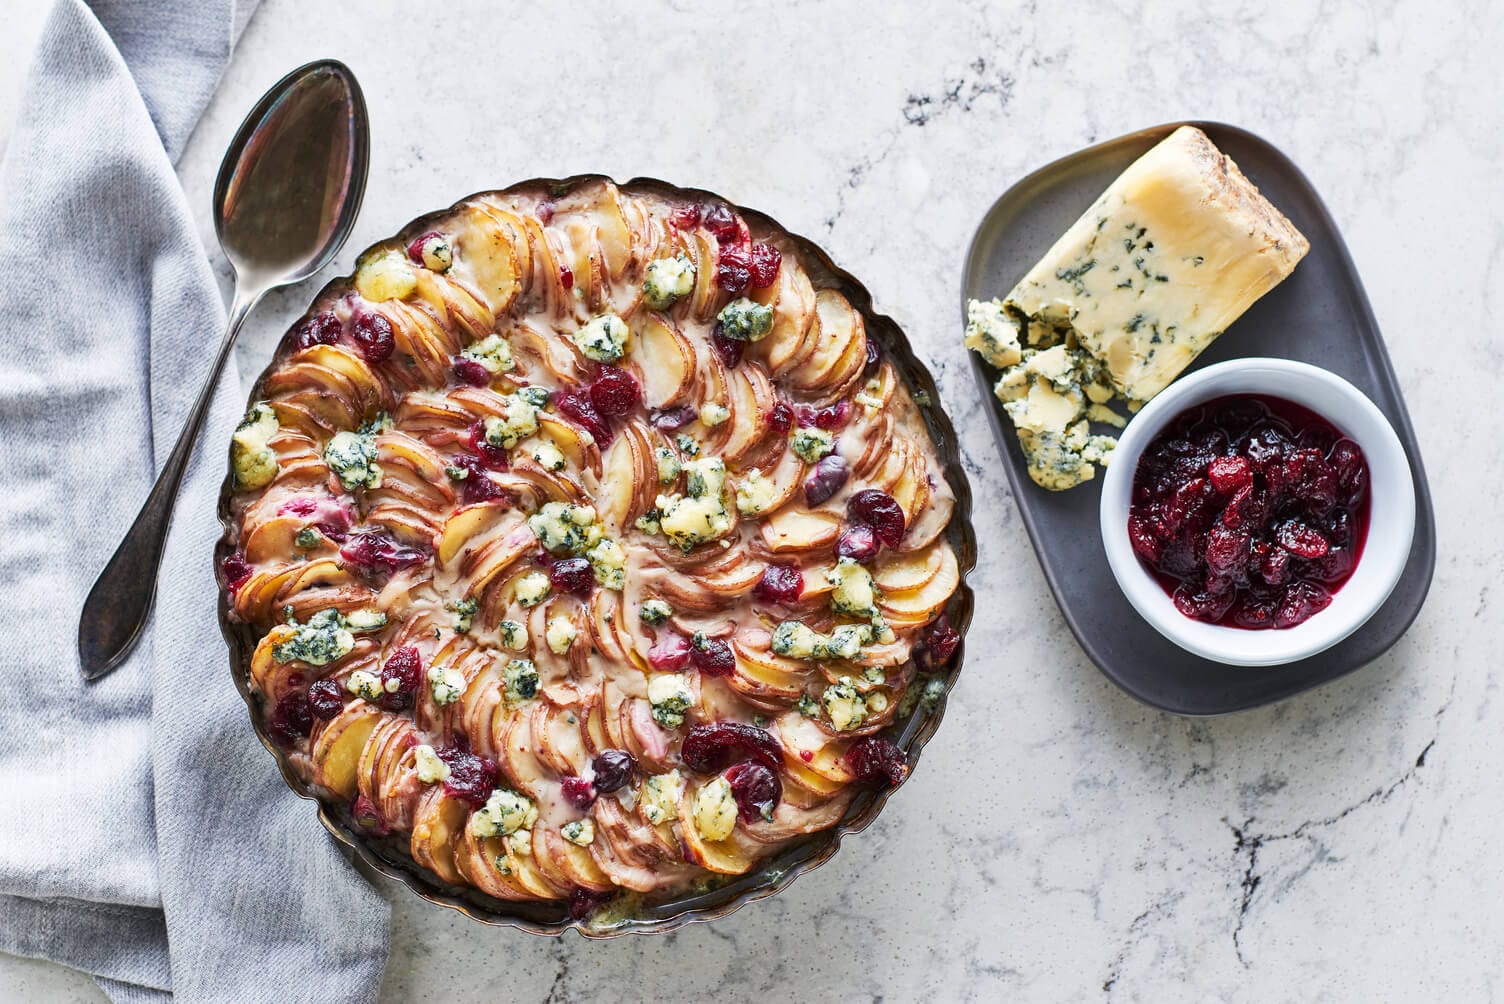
493	352
609	563
364	685
715	810
351	456
565	528
811	444
579	831
671	697
253	460
505	812
745	320
668	464
603	339
548	456
701	515
430	769
517	421
446	684
561	634
755	493
844	705
668	279
533	588
519	680
853	591
992	333
325	638
464	613
654	612
714	414
513	635
659	799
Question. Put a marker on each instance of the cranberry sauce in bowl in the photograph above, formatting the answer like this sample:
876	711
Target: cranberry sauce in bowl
1250	511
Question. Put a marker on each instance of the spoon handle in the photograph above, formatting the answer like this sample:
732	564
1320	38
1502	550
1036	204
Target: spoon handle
120	601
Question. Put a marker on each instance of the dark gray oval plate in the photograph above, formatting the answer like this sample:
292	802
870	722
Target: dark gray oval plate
1318	315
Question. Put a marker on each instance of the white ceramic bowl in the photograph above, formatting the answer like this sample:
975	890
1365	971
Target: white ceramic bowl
1391	519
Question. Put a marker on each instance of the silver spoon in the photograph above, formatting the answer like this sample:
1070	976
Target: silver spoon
285	200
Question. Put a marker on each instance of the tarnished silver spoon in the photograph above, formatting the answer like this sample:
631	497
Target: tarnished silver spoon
285	200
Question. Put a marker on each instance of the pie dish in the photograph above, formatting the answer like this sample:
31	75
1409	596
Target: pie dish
594	556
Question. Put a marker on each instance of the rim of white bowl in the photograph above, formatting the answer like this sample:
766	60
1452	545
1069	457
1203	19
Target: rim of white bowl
1391	523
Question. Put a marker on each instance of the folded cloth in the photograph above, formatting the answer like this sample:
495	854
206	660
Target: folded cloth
145	836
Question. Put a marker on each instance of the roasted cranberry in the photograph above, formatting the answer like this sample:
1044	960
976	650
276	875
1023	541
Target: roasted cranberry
490	454
613	770
477	485
780	418
875	760
757	791
685	217
670	655
674	419
1301	600
880	511
937	645
614	391
373	336
721	221
325	699
415	247
571	575
471	372
566	277
377	551
576	405
780	584
584	902
471	778
323	328
765	261
712	745
733	268
711	656
400	677
829	418
728	350
291	719
828	477
236	570
858	542
368	817
577	791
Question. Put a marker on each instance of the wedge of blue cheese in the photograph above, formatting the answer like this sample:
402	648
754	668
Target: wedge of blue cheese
1175	250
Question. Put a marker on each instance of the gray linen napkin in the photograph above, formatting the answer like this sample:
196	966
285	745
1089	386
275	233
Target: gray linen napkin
145	836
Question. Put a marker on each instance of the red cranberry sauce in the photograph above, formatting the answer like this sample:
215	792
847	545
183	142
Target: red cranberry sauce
1251	511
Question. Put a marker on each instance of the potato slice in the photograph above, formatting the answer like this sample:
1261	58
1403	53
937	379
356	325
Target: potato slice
336	754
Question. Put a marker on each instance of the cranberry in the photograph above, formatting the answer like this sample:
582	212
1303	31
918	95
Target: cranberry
291	719
757	791
323	328
477	484
733	269
1301	540
781	418
404	672
415	247
937	645
710	746
471	372
1229	474
1247	507
577	791
1301	600
325	699
685	217
471	778
613	770
373	336
674	419
614	391
1273	563
857	542
1226	549
880	511
576	405
1202	605
1253	613
571	575
721	221
875	760
828	418
376	551
780	584
368	817
828	477
728	350
670	655
1304	475
301	505
236	570
584	902
491	455
545	212
566	277
711	656
764	266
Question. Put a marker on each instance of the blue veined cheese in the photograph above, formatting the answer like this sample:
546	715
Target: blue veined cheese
844	704
513	635
609	563
1042	396
1175	250
745	320
504	812
714	414
517	421
387	276
436	253
565	528
755	493
668	279
670	696
519	681
493	352
668	464
364	685
533	588
701	516
365	620
446	684
430	769
687	444
853	591
991	333
603	338
351	456
548	456
715	810
579	831
654	612
464	613
797	641
659	799
871	394
846	641
811	444
561	634
253	460
325	638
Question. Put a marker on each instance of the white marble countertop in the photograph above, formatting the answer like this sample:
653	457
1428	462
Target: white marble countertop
1058	841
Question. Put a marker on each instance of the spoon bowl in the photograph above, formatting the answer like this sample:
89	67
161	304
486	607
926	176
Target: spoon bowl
286	198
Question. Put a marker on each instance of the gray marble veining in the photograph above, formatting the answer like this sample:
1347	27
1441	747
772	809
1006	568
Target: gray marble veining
1058	841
